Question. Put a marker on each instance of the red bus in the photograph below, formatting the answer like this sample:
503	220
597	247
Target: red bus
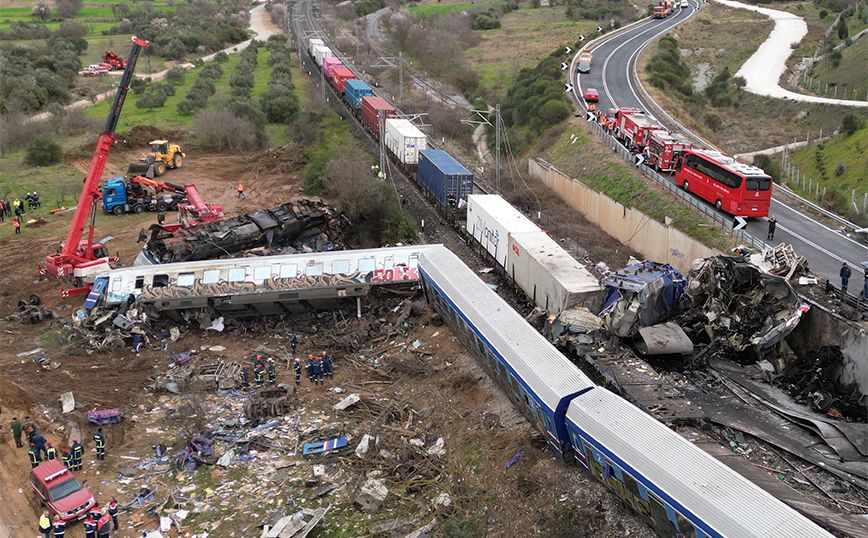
736	188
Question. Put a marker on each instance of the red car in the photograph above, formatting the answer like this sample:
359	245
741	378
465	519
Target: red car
591	95
60	490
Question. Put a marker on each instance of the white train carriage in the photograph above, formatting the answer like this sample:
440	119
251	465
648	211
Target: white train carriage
262	285
680	489
532	372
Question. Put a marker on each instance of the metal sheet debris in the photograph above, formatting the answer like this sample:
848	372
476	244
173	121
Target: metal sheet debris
67	401
663	339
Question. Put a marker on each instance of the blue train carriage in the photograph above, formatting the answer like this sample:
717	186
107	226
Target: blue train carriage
677	487
445	178
538	379
354	90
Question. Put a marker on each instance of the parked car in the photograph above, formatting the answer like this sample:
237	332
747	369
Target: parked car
95	70
584	66
59	489
591	95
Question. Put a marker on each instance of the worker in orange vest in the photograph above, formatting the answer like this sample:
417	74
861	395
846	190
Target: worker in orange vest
17	225
241	191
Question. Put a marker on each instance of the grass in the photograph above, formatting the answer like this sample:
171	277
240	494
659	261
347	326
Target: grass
849	76
441	8
851	152
525	37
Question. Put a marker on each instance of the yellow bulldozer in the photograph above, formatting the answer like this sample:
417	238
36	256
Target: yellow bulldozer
162	155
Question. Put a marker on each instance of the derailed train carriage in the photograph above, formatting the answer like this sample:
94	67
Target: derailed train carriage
679	489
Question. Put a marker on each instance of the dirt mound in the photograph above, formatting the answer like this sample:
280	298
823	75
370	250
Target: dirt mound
288	159
140	135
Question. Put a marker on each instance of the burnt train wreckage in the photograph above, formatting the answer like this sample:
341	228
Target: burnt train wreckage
301	225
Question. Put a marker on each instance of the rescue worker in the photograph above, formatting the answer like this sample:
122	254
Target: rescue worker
258	363
29	428
310	368
104	525
450	199
113	512
272	374
327	365
45	524
96	513
77	454
317	371
259	376
293	341
59	527
66	458
99	441
17	224
16	432
245	380
89	527
50	452
241	191
773	222
297	367
38	440
33	454
845	274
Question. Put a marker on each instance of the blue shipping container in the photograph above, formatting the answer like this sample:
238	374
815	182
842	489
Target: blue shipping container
354	90
442	175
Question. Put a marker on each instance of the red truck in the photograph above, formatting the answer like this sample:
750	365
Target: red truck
113	60
56	487
664	150
632	127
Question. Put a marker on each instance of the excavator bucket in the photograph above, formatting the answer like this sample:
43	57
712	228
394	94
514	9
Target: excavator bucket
141	169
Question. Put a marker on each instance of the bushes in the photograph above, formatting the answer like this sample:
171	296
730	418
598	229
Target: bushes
218	130
666	69
279	102
851	123
203	88
43	152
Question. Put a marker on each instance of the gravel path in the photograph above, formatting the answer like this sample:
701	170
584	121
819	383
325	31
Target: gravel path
763	70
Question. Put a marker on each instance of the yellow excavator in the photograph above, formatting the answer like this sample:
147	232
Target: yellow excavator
162	155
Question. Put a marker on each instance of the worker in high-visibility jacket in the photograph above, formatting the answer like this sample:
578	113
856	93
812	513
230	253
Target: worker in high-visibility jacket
99	441
259	376
34	456
45	524
50	452
77	454
66	458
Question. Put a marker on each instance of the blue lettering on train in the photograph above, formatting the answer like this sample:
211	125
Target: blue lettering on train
487	235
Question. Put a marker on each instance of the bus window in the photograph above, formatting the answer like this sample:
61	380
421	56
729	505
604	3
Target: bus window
210	276
186	279
758	183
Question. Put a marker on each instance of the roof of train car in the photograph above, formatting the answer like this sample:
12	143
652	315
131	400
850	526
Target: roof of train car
444	162
405	128
562	267
550	375
300	258
730	504
511	219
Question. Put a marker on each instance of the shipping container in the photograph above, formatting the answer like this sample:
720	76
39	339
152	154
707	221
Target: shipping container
339	77
550	276
490	220
314	43
329	63
445	178
354	90
404	140
320	52
371	107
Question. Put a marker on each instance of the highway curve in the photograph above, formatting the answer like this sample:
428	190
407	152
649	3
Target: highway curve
611	74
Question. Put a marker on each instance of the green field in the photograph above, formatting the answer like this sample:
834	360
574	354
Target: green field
840	153
167	115
439	9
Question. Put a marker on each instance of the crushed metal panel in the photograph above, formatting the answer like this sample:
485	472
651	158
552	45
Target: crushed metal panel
641	295
663	338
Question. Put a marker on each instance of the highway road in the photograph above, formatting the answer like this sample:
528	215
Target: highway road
611	74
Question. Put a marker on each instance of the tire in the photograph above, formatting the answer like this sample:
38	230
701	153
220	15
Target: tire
177	161
718	204
118	210
159	168
35	300
162	206
173	206
686	186
138	208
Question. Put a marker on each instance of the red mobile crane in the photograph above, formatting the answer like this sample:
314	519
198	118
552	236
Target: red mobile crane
80	259
113	60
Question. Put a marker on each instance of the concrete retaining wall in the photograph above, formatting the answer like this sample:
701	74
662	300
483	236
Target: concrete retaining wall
821	327
654	240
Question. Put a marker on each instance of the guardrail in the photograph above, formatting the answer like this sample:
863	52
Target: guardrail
781	189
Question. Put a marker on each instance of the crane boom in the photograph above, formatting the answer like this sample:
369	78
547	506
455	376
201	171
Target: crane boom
73	254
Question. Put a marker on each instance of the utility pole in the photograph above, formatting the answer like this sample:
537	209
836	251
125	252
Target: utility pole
381	121
483	119
389	61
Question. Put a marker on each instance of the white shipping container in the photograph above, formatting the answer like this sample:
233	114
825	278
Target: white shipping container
314	42
550	276
490	220
320	52
405	140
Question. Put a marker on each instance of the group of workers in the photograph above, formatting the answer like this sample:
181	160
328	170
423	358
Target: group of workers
261	369
97	523
318	367
40	449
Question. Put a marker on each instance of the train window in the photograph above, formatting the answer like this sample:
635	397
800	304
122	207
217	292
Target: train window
341	267
289	271
314	269
658	513
275	269
685	527
388	262
237	274
261	274
414	261
140	282
367	265
186	279
210	276
160	281
116	284
630	484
